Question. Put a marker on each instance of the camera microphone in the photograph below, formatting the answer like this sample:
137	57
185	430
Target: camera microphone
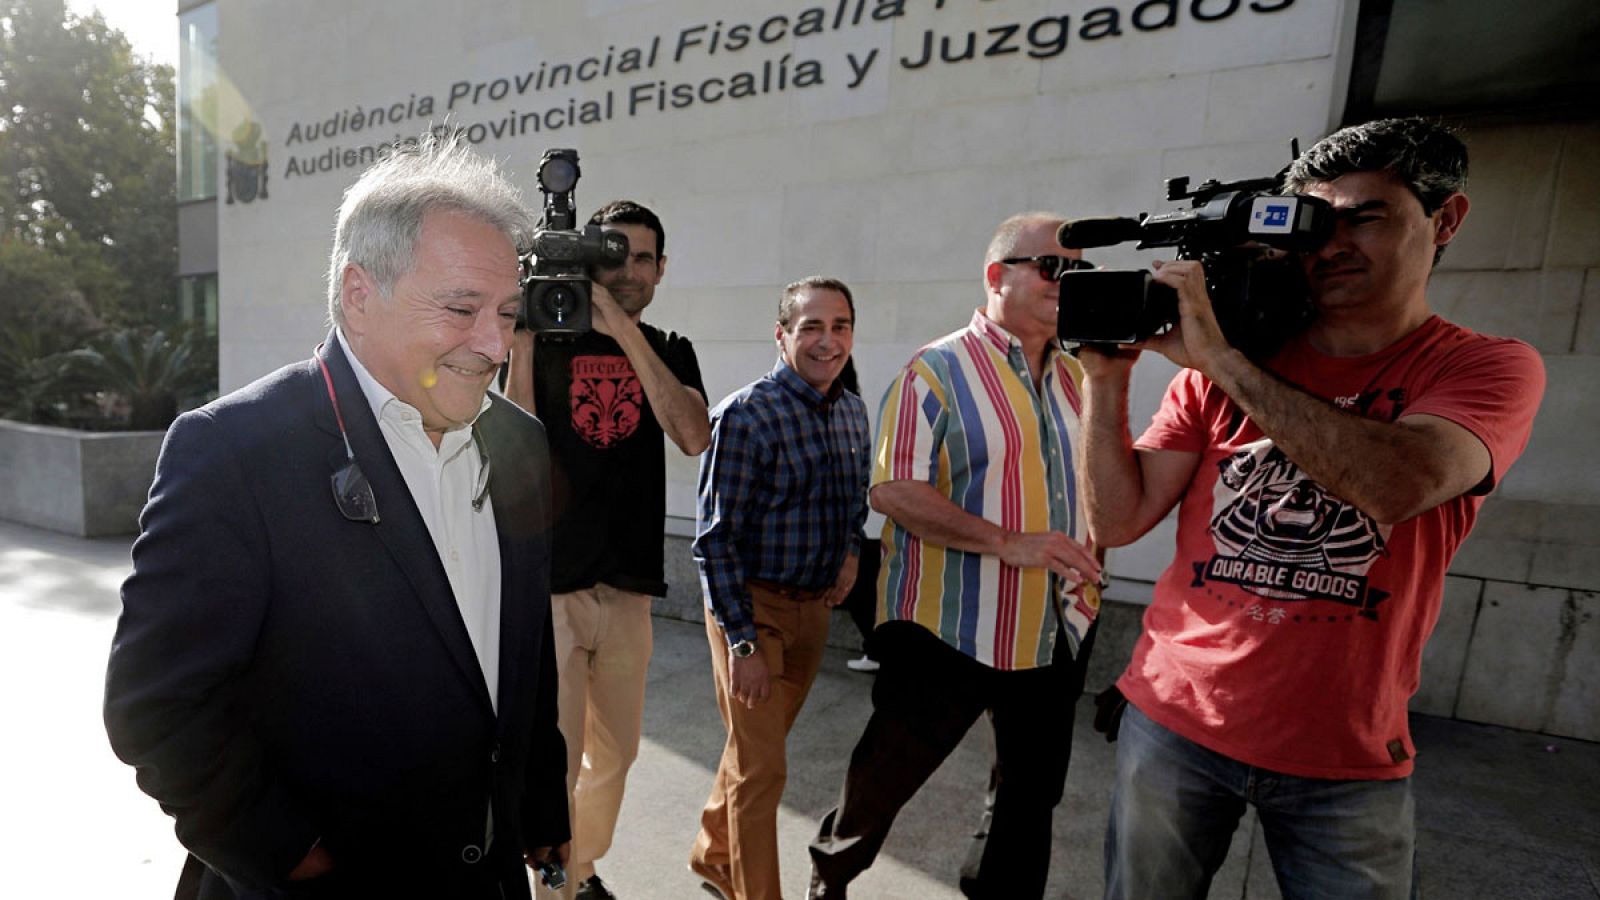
1099	231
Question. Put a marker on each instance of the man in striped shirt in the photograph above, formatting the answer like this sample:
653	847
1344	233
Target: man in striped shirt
986	593
783	496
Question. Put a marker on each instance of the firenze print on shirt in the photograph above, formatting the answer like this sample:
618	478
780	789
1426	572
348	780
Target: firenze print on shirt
607	458
607	399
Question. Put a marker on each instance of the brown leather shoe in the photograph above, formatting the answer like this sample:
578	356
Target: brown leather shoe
716	880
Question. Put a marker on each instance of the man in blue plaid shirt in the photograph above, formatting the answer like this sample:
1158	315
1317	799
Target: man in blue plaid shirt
783	496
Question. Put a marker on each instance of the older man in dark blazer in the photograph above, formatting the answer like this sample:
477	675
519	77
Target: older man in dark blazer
333	666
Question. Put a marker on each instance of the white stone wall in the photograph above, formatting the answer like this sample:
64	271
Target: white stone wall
893	180
894	184
1518	641
1527	265
89	484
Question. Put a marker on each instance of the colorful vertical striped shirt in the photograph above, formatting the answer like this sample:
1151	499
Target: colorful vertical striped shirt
963	416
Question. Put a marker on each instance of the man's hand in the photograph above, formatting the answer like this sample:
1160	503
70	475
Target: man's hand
609	319
844	583
316	863
1068	559
748	679
1107	360
920	509
538	856
1196	342
681	411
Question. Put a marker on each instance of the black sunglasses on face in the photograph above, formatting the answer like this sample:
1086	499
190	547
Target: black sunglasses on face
1051	267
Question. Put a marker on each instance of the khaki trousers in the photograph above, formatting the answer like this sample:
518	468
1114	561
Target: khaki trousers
603	643
739	827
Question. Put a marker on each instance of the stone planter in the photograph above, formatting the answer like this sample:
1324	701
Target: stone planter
85	483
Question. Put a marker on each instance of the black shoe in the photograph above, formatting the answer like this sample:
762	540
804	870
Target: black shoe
592	888
819	890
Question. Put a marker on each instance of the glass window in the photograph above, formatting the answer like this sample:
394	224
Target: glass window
197	301
197	103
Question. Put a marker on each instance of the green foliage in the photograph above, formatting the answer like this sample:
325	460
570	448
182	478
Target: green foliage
38	291
147	371
31	380
42	315
88	228
87	166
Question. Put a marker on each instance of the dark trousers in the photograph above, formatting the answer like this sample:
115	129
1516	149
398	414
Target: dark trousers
925	698
862	604
502	875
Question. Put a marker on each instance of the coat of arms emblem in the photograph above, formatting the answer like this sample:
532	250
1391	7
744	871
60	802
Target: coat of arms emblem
247	164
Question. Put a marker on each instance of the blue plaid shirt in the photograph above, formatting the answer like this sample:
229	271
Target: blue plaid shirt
783	492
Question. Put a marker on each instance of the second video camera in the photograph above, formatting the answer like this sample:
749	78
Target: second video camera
555	268
1240	231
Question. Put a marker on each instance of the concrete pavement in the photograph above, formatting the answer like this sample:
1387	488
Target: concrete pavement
1501	814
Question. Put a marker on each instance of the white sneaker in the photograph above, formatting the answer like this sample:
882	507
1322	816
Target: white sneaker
865	664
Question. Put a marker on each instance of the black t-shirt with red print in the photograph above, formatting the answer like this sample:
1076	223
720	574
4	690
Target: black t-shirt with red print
607	458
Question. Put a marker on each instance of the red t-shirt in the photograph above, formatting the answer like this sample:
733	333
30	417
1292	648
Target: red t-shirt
1288	631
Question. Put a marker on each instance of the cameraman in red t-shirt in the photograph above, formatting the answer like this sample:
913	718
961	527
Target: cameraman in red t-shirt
1321	495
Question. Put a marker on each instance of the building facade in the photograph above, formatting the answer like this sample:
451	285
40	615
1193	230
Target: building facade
880	141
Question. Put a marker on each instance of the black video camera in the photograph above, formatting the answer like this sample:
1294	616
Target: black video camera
1240	231
555	269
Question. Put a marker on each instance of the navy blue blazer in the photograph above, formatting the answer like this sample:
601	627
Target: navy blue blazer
283	676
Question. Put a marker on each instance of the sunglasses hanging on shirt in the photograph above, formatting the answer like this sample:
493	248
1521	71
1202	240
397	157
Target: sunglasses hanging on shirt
351	490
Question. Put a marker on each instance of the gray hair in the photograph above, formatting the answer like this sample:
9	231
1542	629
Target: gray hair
1009	234
381	216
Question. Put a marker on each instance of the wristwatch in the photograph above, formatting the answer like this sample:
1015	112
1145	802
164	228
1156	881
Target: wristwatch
743	648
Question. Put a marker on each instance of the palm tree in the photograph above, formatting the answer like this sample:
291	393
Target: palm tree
30	375
151	370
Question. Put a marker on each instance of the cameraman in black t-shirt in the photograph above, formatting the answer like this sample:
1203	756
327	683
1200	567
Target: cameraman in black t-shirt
606	398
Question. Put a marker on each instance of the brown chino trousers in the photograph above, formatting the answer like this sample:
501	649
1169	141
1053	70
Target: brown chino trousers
739	827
